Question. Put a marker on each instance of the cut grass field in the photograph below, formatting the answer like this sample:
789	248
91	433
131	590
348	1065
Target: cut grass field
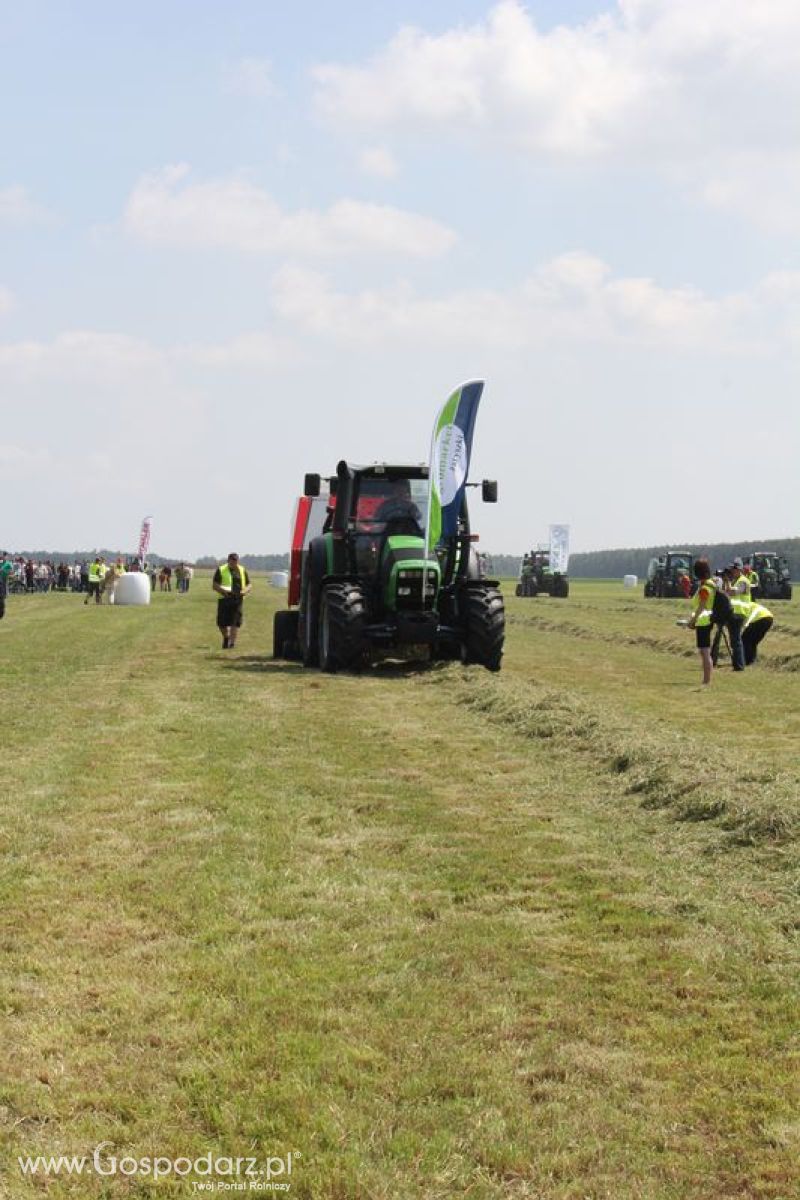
435	934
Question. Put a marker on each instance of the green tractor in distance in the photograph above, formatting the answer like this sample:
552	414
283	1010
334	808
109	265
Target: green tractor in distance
364	586
774	576
535	576
665	573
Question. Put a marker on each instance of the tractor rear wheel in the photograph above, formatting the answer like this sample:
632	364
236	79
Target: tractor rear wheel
485	627
342	617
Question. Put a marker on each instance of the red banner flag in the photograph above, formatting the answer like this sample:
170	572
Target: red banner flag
144	538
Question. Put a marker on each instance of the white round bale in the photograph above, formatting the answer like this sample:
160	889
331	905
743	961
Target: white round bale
132	588
279	579
630	581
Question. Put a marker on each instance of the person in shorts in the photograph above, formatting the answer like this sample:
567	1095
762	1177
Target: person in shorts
232	583
700	620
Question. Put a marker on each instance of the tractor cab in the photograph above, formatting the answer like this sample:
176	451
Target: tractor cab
378	535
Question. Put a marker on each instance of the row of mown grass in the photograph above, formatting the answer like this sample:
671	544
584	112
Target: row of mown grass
388	921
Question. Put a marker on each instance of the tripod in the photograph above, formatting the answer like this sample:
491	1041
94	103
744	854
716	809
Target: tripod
721	643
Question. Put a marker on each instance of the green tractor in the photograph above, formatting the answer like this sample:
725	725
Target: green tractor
774	576
536	577
364	587
665	575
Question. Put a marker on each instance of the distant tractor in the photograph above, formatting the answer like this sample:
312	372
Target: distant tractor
362	585
665	572
774	576
535	576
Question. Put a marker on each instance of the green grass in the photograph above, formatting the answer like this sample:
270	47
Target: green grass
442	933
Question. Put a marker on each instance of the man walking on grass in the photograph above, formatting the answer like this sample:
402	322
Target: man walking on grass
97	578
232	583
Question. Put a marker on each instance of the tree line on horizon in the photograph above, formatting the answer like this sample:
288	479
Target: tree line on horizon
591	564
610	564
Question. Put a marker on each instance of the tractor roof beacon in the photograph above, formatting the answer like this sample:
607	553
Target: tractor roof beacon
363	586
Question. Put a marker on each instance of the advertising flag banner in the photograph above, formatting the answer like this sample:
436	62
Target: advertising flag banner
559	548
451	446
144	538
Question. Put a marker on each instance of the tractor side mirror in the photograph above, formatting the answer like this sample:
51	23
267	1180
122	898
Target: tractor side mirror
489	491
311	485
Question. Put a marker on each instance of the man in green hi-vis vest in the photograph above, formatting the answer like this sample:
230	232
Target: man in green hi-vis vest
232	583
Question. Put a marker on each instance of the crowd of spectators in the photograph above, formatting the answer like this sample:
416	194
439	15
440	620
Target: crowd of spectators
28	575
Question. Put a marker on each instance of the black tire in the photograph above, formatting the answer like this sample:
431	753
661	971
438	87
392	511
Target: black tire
308	632
562	588
342	618
484	618
786	591
518	590
284	634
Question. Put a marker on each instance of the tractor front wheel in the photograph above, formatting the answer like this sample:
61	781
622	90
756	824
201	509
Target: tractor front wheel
342	617
485	621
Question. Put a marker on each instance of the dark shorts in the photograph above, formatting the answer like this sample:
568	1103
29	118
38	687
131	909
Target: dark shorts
229	611
703	635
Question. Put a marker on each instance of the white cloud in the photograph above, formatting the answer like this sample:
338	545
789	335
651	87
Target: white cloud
699	89
165	209
82	353
250	77
378	161
255	351
761	187
573	299
17	207
20	462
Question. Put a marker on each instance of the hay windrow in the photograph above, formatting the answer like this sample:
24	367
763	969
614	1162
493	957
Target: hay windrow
662	645
669	772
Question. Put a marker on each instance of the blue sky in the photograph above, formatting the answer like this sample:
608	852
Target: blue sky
240	242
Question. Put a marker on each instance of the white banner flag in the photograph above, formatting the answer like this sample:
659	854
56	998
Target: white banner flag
559	548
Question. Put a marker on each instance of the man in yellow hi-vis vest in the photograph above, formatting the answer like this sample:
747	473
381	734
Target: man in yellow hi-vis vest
97	576
232	583
752	575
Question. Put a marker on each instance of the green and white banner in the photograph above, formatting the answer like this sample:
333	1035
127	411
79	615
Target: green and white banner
451	446
559	548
